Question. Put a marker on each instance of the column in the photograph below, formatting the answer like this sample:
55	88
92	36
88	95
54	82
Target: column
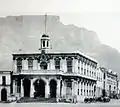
22	90
47	90
38	65
35	63
32	89
14	87
83	67
86	68
75	65
52	64
58	89
14	66
49	66
80	67
63	89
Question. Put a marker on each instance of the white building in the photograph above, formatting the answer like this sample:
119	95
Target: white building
56	75
110	82
5	81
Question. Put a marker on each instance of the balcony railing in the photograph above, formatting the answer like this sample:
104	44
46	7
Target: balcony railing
42	72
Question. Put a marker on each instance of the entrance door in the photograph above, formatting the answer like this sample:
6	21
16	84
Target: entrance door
39	88
26	85
3	94
53	87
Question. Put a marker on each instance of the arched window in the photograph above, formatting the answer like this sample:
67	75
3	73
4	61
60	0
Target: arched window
19	65
69	65
43	43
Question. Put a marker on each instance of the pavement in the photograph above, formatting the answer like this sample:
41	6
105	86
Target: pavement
112	103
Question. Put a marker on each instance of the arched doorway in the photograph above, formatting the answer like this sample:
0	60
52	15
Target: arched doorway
26	85
53	87
39	86
3	94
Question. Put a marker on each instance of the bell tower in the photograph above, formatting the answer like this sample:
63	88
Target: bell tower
45	40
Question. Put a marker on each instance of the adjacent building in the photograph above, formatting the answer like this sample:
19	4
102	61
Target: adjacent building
110	82
99	86
5	85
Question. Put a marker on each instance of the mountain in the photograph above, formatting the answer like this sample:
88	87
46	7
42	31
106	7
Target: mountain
24	32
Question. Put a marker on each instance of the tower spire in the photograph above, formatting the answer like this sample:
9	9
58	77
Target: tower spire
45	22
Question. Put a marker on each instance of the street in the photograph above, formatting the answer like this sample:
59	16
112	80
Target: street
112	103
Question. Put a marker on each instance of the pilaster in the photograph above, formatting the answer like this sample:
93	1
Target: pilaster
35	64
25	64
22	90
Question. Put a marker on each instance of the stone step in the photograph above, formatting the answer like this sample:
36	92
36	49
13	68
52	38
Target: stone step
46	100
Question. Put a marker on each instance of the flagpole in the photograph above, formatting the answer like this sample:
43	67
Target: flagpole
45	22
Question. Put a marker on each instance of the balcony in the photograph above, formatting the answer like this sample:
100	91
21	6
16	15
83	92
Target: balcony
42	72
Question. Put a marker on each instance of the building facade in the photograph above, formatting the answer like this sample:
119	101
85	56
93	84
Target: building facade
53	75
99	86
5	85
110	82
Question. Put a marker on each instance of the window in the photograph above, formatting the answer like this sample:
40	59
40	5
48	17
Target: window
90	73
84	71
104	75
78	91
19	65
84	92
81	92
47	43
43	43
30	63
69	65
57	63
87	92
43	65
87	72
3	80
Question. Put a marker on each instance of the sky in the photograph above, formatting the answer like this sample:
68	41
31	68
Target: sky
101	16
